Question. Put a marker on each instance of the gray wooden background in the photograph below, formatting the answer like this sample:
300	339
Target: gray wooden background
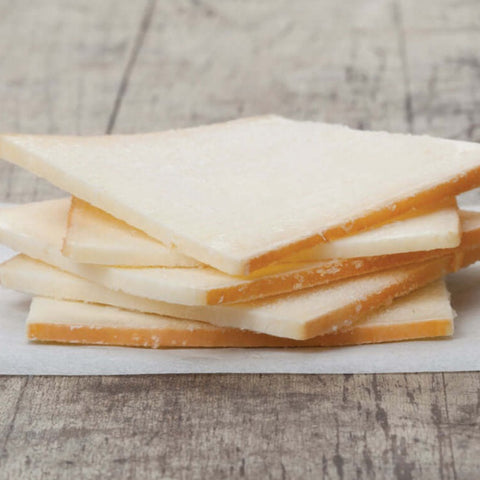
80	66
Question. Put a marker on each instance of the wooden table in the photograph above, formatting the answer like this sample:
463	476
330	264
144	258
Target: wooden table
122	66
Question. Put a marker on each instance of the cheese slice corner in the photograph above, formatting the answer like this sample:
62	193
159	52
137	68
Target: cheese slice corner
94	236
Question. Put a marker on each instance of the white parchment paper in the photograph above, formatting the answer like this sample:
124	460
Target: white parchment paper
460	353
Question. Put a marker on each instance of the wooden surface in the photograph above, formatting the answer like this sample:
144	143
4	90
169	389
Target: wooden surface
121	66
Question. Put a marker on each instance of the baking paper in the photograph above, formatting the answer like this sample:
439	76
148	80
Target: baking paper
460	353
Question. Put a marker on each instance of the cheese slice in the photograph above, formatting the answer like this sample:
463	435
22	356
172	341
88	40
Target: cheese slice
299	315
421	230
421	314
39	232
243	194
95	237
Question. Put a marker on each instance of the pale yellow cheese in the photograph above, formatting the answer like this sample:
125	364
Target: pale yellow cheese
299	315
424	313
419	231
95	237
240	195
38	230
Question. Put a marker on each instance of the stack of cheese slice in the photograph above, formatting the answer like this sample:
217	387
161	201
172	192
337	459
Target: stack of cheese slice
262	232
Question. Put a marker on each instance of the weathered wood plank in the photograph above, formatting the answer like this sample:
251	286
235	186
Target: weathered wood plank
442	65
463	402
206	426
11	393
210	61
61	64
445	85
445	16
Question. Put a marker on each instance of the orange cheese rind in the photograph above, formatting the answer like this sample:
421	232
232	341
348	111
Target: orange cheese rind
32	230
308	276
223	338
95	237
241	195
424	314
299	315
459	184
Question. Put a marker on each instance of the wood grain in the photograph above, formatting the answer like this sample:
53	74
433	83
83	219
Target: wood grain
61	73
210	61
462	398
231	426
119	66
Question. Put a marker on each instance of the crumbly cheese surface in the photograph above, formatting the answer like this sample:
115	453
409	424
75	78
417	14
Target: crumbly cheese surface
333	306
38	231
424	313
230	193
